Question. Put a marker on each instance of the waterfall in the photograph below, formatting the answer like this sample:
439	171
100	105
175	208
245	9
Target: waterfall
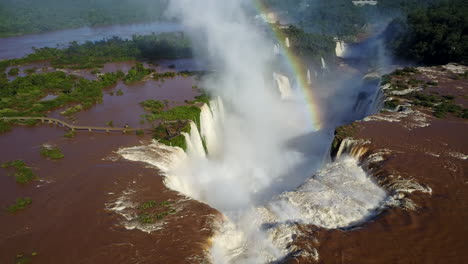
309	79
287	42
211	118
340	49
194	142
377	101
351	147
276	49
283	84
324	65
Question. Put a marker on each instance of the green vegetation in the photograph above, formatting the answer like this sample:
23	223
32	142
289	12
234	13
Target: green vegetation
441	110
93	55
110	124
183	112
334	17
30	70
13	72
175	121
23	174
151	211
72	110
392	104
30	16
51	152
153	106
24	258
70	134
4	126
164	75
310	47
137	73
20	204
147	205
433	35
22	96
440	105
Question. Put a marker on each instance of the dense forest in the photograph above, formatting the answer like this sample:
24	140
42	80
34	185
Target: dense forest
342	18
434	35
94	54
29	16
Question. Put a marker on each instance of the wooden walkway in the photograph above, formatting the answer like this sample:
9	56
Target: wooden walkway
73	127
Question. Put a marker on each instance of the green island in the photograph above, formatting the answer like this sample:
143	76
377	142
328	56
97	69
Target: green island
93	55
20	204
51	152
410	79
23	174
149	212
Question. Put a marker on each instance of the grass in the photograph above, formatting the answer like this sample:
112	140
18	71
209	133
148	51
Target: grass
20	204
23	174
52	152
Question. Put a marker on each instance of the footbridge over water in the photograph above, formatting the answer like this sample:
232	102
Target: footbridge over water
73	127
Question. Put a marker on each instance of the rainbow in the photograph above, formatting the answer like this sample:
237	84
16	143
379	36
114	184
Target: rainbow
297	68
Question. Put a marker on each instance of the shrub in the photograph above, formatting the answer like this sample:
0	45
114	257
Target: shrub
13	71
70	134
20	204
23	174
153	105
51	152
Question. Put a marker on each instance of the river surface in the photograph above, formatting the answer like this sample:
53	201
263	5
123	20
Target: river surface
19	46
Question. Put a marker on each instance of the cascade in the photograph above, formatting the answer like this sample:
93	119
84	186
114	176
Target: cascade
340	49
377	101
211	119
287	42
309	79
276	49
284	87
324	65
351	147
194	142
